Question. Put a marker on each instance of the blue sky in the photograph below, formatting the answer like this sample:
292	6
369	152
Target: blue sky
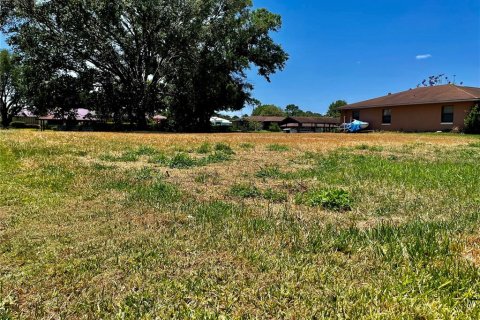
356	50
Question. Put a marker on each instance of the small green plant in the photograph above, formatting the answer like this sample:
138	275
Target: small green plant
275	196
157	193
331	199
181	161
146	151
127	156
158	158
204	148
217	157
225	148
269	172
245	191
207	177
247	146
278	147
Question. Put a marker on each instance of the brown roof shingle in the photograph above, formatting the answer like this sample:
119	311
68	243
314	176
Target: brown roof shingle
423	95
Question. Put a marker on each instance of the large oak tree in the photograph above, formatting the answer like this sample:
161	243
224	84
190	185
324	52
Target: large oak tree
133	58
10	87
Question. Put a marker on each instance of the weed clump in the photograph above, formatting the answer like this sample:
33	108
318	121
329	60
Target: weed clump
159	192
204	148
181	161
330	199
225	148
275	196
247	146
245	191
269	172
278	148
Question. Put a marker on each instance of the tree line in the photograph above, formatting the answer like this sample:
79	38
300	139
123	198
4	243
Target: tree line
129	59
292	110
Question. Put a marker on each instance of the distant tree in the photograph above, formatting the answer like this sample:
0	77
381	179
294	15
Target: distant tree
293	111
274	127
10	87
268	110
184	57
472	121
436	81
333	108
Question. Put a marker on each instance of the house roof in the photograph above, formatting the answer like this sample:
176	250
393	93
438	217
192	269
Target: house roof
80	115
424	95
312	120
265	119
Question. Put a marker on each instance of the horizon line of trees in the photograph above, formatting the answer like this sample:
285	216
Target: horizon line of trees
293	110
129	59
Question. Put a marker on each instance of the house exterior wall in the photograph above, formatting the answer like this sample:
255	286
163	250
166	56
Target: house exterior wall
414	118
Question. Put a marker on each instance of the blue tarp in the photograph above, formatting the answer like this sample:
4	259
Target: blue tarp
355	126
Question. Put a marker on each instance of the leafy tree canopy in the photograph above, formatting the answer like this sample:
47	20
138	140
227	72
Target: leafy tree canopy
132	58
268	110
11	87
333	108
472	121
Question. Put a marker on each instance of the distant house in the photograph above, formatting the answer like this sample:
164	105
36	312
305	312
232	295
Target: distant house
438	108
310	124
258	122
26	117
80	116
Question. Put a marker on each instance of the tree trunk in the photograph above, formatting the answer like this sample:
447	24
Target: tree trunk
6	120
141	120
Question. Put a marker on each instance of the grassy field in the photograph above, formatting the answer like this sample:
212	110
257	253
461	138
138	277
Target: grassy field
144	226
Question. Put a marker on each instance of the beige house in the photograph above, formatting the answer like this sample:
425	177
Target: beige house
438	108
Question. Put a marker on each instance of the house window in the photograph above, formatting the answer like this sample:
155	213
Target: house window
387	116
356	115
447	114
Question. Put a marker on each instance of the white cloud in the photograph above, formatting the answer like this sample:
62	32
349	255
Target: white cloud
423	56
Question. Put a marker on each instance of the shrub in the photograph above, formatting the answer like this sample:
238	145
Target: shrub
472	121
278	148
18	125
274	127
331	199
245	191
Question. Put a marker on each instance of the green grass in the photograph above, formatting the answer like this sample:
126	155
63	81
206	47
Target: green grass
125	227
278	148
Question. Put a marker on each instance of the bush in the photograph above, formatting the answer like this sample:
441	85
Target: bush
274	127
18	125
331	199
472	121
